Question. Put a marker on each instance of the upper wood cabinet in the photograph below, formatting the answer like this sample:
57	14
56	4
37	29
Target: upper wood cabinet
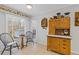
58	24
63	23
51	26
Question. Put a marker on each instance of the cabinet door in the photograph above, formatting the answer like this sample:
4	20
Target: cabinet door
58	23
51	27
65	46
66	23
55	44
49	43
63	24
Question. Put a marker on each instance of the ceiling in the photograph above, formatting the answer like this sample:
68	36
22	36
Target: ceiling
37	9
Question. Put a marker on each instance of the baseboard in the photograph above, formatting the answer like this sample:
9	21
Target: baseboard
74	53
41	44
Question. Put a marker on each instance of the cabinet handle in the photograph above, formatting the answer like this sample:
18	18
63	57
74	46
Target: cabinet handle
64	48
64	40
64	44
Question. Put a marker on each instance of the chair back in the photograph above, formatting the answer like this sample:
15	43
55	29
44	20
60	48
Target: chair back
6	38
29	35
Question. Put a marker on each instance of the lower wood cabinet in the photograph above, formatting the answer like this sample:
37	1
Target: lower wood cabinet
60	45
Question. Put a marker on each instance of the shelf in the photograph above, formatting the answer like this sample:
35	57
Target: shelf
60	36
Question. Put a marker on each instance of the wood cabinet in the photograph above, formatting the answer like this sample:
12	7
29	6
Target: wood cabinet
52	27
58	24
59	27
63	23
60	45
53	44
49	43
65	46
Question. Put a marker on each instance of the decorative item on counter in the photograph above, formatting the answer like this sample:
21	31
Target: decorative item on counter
59	32
62	32
59	15
65	32
67	14
62	17
76	18
55	17
51	18
44	23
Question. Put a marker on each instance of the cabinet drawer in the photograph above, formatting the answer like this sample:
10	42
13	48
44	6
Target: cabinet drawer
65	41
65	50
65	46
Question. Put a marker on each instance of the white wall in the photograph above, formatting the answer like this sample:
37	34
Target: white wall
2	26
42	34
2	23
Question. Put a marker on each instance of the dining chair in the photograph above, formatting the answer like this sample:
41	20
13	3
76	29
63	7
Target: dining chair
29	37
8	42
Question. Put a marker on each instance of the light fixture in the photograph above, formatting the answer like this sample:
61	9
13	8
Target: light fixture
29	6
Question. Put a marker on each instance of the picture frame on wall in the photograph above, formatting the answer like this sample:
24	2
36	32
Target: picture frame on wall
44	23
76	18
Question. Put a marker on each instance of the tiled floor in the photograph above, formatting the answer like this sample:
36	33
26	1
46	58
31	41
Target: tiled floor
37	49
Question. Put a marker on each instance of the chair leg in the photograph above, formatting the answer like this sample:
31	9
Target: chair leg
26	43
17	45
3	50
33	42
10	49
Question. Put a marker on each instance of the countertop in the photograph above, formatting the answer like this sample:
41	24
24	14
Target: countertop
60	36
